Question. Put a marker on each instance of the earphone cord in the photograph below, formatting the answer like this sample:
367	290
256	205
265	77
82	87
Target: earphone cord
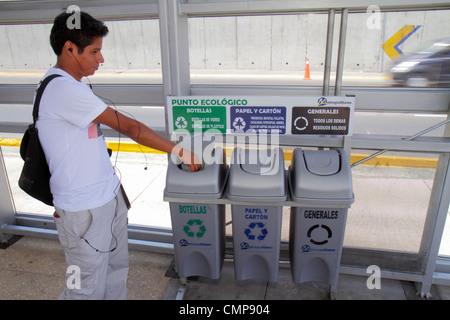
117	154
117	116
112	233
120	134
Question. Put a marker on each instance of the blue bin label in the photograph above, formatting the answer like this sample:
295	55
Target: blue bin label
258	119
256	228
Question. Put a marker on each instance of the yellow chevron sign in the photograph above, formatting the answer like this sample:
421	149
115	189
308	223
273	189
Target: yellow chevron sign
391	47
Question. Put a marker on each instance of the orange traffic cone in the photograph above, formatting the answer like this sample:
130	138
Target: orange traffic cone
307	76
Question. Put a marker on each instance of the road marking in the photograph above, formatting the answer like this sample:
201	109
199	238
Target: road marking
391	47
390	161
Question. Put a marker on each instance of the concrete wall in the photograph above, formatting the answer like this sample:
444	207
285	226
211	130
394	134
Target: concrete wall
238	43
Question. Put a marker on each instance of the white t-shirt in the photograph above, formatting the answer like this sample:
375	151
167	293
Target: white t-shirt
82	176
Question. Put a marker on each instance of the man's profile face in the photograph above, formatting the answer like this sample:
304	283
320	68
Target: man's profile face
90	59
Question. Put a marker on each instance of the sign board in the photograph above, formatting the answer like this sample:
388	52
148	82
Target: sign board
257	119
283	115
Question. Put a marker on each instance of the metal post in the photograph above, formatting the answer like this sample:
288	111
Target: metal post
436	216
435	222
347	140
174	37
328	53
7	209
341	51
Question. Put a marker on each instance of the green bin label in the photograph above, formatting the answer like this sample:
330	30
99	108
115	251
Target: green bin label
199	118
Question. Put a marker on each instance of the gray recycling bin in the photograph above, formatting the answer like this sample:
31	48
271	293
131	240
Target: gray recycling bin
321	183
256	177
198	228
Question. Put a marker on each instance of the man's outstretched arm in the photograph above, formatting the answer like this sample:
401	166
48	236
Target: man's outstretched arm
143	135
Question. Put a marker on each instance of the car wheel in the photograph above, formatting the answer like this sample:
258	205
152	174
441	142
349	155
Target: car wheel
418	80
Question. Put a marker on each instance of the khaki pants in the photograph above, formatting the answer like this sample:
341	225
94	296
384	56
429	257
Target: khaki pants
96	245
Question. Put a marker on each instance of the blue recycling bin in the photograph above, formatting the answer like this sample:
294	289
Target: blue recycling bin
256	178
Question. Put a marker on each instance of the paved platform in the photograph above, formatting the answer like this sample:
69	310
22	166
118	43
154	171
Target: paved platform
33	269
388	213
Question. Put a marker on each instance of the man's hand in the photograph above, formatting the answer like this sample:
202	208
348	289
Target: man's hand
190	159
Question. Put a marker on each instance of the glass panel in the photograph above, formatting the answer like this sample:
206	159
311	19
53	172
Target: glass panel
377	41
143	177
268	50
391	204
392	191
444	249
132	56
131	51
274	49
397	123
23	202
132	45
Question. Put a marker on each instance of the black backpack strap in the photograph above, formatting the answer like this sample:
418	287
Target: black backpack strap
39	93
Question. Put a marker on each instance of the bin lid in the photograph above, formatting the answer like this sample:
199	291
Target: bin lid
257	175
209	182
323	163
258	162
321	178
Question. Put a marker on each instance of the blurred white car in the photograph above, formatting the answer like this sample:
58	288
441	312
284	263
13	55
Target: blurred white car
429	67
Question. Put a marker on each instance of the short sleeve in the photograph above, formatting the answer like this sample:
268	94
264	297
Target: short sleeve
72	101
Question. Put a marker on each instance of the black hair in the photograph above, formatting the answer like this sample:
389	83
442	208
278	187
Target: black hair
82	36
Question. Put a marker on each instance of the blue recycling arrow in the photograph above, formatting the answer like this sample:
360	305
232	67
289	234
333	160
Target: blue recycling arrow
251	226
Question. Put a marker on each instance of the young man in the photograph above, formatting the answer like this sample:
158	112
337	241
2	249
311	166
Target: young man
90	205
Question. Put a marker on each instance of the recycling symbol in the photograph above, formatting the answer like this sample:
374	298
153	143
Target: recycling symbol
194	227
256	230
181	123
325	227
300	123
239	123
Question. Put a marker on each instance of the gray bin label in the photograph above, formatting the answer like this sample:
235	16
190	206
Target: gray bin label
320	230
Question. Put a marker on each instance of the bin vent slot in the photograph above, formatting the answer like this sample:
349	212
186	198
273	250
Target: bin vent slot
315	269
197	265
255	267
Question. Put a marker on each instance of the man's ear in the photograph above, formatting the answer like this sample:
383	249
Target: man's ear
69	46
